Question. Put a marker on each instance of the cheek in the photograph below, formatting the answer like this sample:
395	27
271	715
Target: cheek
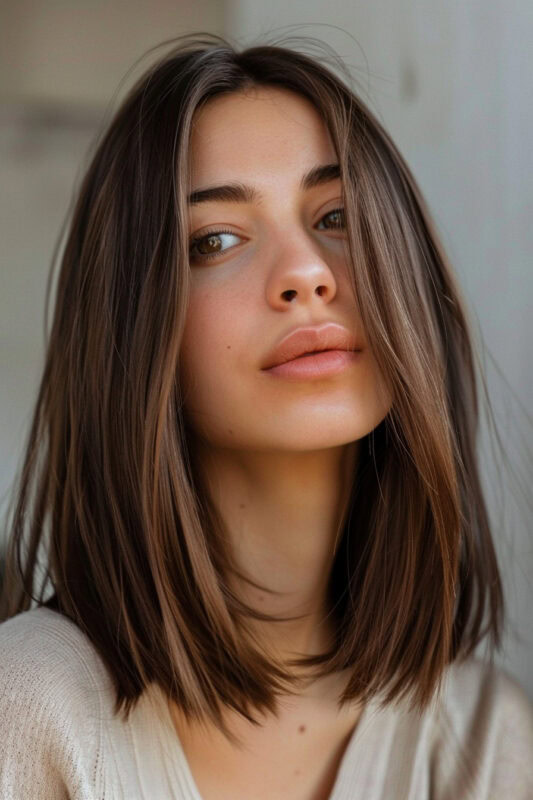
210	341
198	338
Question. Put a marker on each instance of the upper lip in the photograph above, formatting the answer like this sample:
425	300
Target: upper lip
314	339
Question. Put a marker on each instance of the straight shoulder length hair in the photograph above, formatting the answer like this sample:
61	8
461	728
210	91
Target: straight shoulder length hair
108	491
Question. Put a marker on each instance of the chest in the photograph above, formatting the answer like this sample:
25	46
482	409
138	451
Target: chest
296	756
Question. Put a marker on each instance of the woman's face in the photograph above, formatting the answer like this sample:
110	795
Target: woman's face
279	263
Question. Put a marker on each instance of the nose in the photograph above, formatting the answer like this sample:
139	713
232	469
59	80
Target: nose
300	275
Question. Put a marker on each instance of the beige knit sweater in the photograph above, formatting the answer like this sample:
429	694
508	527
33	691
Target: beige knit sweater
60	739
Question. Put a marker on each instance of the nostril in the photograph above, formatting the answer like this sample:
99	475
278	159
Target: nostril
288	294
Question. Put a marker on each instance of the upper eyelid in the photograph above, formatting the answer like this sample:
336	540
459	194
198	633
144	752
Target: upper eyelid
213	229
197	237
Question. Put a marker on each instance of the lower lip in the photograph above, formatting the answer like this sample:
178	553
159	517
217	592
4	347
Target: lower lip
317	365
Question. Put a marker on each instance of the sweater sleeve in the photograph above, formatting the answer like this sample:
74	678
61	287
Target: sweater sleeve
49	733
512	772
485	748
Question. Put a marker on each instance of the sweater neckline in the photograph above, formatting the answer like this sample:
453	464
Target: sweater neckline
180	773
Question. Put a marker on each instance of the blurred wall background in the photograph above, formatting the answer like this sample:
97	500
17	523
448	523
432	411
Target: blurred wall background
450	81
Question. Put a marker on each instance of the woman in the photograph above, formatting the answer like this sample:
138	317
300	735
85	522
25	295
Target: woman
252	468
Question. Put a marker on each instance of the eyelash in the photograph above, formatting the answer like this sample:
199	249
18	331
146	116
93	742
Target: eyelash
214	232
220	231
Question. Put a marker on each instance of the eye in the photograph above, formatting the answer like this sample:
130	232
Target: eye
211	244
336	217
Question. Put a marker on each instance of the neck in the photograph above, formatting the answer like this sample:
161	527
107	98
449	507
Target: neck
283	513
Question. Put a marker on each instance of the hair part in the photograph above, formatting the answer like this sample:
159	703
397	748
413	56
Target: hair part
109	487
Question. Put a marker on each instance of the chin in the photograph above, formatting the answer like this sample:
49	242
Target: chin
311	441
299	438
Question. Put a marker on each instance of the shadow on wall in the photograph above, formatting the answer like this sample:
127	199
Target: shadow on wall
2	570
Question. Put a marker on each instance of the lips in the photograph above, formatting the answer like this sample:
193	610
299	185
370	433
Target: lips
315	339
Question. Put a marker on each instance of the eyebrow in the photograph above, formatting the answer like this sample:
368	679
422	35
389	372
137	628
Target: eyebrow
241	193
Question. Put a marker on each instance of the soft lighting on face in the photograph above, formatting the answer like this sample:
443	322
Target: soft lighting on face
268	255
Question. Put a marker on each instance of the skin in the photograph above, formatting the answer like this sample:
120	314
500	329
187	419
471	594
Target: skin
277	455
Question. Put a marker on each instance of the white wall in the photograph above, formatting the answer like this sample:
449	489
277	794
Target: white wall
60	66
77	52
451	81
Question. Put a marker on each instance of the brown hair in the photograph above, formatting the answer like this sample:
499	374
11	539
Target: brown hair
108	484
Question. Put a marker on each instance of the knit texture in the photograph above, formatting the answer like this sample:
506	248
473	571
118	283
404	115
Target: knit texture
60	739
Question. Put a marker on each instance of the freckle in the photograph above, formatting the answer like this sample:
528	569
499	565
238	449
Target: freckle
229	430
296	771
228	347
301	729
261	598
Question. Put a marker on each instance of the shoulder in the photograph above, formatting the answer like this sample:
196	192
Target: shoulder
485	732
51	688
40	633
479	690
44	653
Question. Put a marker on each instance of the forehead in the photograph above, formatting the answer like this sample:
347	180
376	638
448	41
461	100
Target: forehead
265	131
